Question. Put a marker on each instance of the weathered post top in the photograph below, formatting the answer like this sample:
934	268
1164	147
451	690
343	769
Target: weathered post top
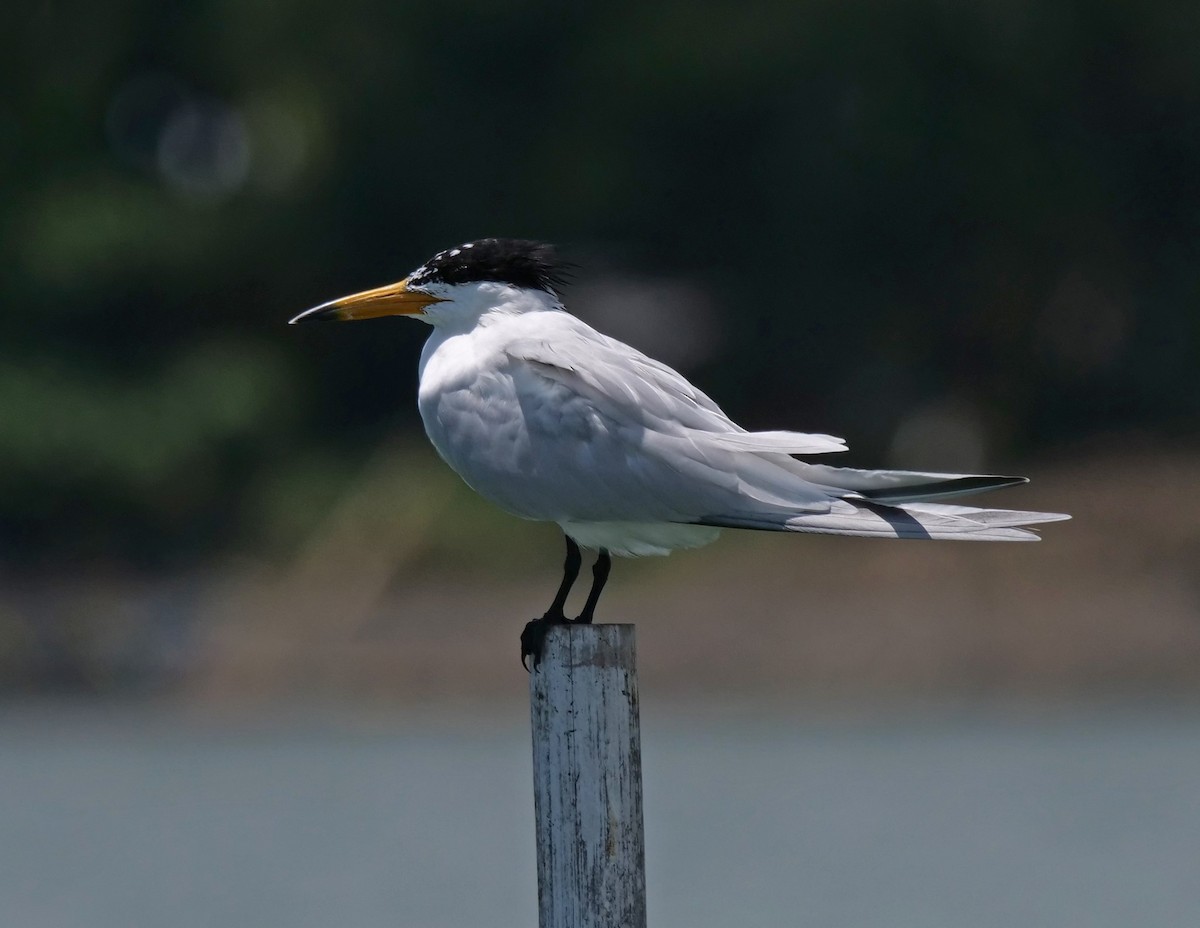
587	773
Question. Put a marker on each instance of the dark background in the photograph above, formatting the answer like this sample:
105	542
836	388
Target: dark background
961	235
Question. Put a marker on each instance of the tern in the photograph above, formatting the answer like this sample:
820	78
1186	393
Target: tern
551	420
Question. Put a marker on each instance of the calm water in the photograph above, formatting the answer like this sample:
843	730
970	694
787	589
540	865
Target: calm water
128	817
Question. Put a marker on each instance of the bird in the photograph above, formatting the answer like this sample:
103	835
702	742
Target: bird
553	421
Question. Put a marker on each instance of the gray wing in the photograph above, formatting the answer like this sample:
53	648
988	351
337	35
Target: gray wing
649	446
632	387
617	436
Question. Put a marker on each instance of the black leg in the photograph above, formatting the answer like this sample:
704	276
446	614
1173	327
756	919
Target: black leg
534	633
570	574
599	577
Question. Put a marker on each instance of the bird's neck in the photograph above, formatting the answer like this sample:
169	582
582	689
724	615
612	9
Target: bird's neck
490	305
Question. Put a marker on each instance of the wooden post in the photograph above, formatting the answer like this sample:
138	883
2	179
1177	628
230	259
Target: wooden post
587	779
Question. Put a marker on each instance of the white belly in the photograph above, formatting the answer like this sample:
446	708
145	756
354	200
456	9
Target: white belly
640	539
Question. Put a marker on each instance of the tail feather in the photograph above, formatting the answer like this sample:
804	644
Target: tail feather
767	489
867	518
987	516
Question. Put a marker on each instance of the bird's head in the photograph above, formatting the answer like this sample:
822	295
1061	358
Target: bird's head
459	285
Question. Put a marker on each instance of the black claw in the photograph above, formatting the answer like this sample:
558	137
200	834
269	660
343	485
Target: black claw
533	638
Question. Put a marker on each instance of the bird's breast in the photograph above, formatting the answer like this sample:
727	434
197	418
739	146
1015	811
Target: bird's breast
474	418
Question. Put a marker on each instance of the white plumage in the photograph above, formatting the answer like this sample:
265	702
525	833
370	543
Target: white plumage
553	421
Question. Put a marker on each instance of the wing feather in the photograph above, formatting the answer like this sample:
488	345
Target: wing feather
634	388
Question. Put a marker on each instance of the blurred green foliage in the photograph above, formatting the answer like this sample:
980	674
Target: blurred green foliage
893	206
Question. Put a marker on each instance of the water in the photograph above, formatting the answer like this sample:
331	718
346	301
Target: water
128	817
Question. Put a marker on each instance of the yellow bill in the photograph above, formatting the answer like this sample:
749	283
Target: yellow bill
392	300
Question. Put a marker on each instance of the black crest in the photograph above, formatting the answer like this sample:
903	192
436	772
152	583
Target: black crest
513	261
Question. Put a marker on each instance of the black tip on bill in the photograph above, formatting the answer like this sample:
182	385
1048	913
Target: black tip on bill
326	312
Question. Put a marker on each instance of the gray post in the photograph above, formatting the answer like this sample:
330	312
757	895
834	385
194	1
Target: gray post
587	779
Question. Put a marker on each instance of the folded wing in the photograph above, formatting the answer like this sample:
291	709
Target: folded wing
655	448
